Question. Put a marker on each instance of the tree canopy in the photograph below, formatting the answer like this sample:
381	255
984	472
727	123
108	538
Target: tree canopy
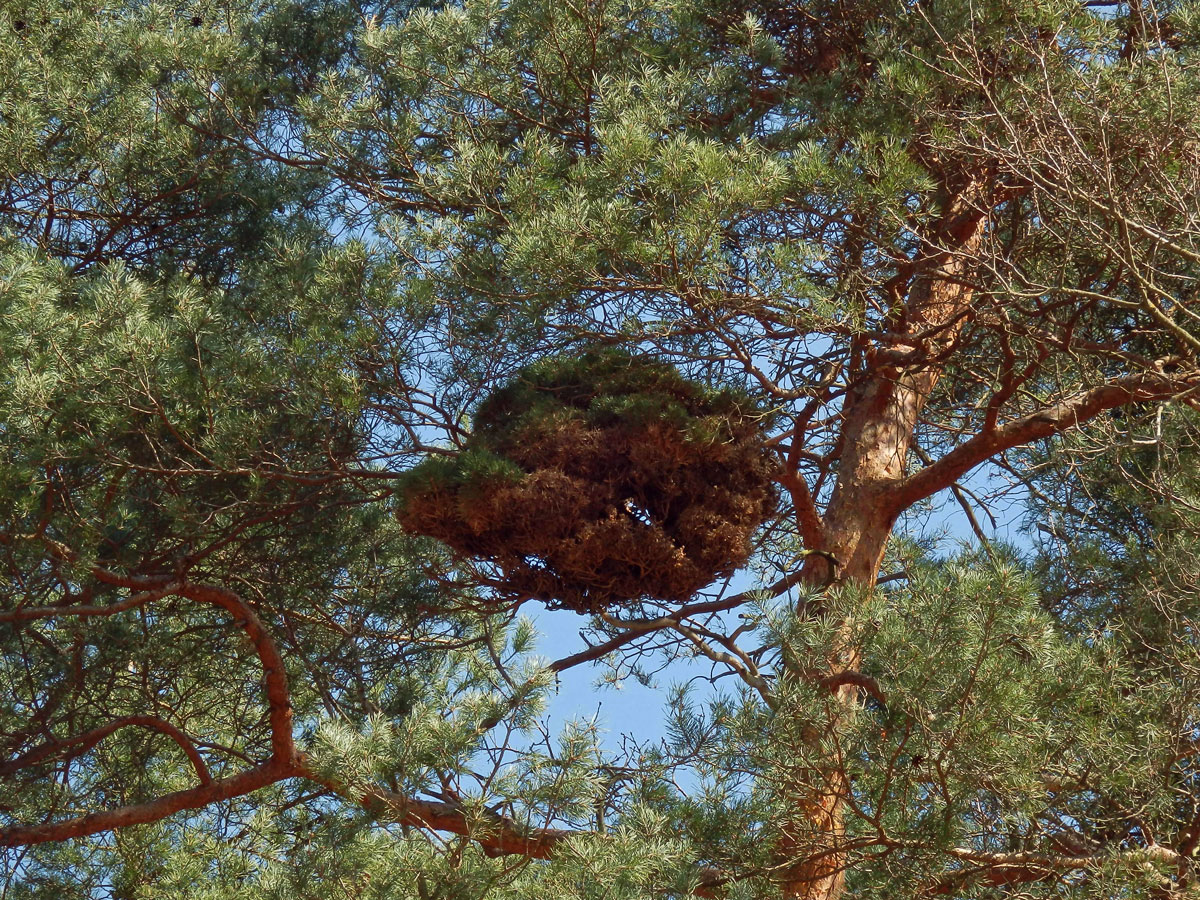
337	337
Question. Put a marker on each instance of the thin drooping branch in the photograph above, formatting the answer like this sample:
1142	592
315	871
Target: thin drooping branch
964	503
998	869
494	833
632	629
733	657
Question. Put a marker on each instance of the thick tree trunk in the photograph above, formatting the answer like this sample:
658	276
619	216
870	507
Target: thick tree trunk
880	419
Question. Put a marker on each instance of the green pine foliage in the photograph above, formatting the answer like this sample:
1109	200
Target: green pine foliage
386	317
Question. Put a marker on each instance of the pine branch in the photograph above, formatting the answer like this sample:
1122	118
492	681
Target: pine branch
1062	416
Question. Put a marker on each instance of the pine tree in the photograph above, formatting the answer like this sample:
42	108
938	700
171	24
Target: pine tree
263	264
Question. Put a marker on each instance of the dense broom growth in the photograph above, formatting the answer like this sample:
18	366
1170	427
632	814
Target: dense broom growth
600	479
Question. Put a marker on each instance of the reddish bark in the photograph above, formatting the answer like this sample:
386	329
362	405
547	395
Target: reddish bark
150	811
878	424
879	420
284	761
81	743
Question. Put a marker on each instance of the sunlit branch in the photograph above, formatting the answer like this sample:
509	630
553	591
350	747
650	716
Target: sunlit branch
1062	416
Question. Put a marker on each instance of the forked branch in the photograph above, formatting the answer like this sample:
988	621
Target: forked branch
1055	419
81	743
283	762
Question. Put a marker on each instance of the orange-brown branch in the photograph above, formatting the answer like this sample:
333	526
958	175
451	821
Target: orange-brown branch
81	743
1055	419
279	703
141	813
33	613
282	764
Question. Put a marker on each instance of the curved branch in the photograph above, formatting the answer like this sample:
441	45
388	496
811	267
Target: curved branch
279	702
997	869
858	679
150	811
282	764
636	628
733	656
494	833
81	743
31	613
